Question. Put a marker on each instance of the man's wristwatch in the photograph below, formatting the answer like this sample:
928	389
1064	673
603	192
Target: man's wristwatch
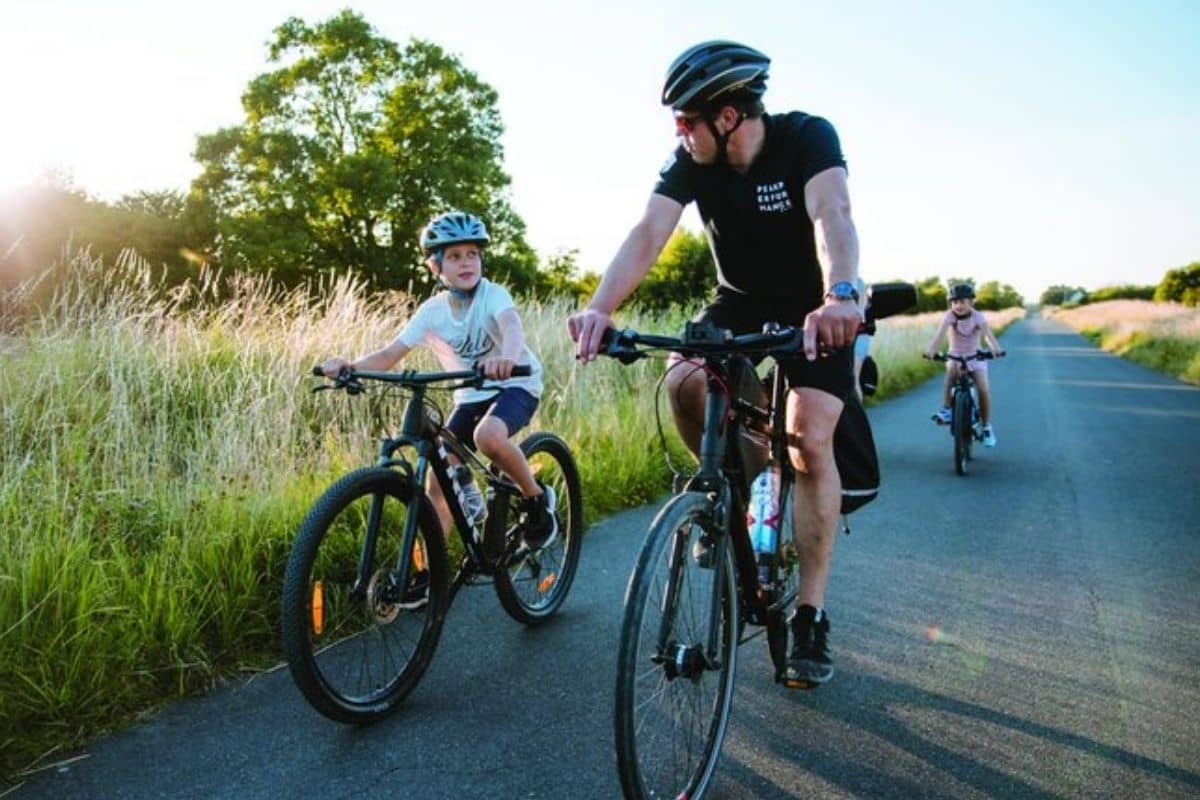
842	290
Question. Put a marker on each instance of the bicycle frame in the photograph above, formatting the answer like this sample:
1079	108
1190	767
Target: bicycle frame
423	435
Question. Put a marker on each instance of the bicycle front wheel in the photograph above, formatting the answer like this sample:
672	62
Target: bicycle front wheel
357	641
962	431
532	584
674	690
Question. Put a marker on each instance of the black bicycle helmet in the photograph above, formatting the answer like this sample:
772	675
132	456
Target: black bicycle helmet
711	73
962	291
453	227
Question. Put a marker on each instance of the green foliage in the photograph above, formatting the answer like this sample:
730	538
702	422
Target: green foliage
931	296
1180	285
39	221
561	277
1126	291
1058	295
347	149
683	275
994	296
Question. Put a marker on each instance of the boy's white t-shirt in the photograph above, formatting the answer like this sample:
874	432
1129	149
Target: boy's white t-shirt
459	341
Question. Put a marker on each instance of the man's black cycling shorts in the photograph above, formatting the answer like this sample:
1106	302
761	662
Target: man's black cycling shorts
832	373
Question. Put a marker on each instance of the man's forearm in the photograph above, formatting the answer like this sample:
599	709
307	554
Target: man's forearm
837	247
626	272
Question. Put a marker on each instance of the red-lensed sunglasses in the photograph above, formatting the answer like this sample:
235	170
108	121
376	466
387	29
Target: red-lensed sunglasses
685	124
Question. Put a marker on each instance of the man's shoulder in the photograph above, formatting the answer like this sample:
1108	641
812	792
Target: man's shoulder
799	125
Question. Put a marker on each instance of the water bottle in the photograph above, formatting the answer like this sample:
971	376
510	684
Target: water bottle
762	519
474	507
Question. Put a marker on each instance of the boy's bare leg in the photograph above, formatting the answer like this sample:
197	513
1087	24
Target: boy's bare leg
491	437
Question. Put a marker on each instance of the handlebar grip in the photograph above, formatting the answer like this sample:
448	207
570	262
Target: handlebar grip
317	371
522	371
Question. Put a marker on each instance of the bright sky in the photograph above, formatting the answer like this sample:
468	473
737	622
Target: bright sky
1028	142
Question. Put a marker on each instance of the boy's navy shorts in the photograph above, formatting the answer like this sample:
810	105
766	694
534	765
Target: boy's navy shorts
514	407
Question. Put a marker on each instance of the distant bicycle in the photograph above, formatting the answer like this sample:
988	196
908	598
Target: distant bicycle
965	426
368	583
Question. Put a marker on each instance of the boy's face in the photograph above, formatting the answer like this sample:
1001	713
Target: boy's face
961	305
462	265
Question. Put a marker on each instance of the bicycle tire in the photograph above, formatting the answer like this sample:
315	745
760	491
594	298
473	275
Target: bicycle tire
356	656
655	758
532	585
962	431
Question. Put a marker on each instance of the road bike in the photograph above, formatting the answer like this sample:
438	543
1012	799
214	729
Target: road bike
696	585
368	582
965	425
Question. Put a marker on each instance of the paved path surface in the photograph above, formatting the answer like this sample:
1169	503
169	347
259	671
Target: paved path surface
1062	573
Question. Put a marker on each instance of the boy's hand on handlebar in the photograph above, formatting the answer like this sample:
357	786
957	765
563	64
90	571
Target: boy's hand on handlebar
333	367
587	328
497	368
833	325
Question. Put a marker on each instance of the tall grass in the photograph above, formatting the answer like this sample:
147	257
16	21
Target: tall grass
1163	336
158	449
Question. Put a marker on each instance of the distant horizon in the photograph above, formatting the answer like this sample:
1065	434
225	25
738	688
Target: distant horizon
1030	145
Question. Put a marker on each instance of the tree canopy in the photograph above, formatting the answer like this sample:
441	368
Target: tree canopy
348	147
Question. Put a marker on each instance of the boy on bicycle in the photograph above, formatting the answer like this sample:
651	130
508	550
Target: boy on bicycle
474	323
967	326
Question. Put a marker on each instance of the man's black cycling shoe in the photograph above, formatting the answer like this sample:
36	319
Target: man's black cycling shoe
808	664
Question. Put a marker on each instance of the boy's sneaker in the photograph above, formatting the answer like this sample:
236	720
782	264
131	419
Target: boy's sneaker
809	664
943	415
539	524
989	436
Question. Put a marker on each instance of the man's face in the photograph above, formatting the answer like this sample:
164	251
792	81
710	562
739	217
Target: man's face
695	136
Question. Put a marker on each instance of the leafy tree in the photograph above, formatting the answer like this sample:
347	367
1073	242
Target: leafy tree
993	296
931	295
1059	294
348	147
683	274
1180	285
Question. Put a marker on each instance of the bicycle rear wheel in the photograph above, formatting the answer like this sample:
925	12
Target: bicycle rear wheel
962	431
673	701
532	584
355	651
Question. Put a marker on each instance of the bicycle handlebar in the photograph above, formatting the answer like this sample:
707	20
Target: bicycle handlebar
883	300
350	379
979	355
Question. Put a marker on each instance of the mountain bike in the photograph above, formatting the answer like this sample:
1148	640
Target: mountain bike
965	425
368	582
696	585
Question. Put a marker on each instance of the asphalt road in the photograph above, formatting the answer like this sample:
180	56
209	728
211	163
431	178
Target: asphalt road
1028	631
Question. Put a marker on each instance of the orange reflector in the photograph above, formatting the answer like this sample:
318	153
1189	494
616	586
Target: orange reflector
546	582
318	608
418	558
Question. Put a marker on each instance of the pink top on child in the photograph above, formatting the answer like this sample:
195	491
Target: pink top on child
965	334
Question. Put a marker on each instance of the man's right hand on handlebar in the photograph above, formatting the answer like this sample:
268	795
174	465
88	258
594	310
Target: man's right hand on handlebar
587	328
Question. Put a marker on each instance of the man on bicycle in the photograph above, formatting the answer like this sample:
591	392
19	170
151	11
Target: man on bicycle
771	191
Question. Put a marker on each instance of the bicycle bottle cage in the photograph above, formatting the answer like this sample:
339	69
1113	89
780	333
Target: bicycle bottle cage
704	333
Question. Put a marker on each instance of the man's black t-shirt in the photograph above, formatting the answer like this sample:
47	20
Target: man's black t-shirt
757	226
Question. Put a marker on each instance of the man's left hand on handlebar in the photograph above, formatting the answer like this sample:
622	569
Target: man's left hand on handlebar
833	325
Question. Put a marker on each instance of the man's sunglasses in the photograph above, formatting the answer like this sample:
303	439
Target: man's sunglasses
685	124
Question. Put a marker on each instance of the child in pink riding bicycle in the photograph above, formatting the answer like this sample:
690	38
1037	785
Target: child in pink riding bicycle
967	328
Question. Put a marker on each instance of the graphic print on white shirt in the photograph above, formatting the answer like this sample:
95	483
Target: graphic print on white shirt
459	341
